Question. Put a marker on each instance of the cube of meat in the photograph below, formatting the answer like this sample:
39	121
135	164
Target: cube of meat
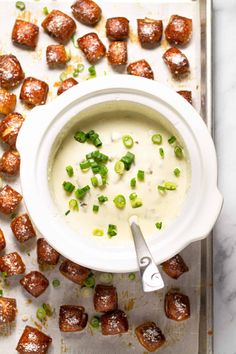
117	53
46	254
150	336
105	298
56	55
176	61
10	163
177	306
117	28
113	323
11	73
2	241
87	12
7	310
7	102
35	283
92	47
9	200
74	272
175	267
10	127
22	228
187	95
34	92
25	33
149	30
33	341
66	85
179	30
72	318
12	264
59	26
140	68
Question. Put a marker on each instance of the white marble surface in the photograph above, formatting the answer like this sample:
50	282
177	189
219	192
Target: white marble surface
225	135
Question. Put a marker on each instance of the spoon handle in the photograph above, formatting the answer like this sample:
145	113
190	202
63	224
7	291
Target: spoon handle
151	277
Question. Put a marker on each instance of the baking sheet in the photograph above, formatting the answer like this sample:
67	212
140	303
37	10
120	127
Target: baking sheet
181	337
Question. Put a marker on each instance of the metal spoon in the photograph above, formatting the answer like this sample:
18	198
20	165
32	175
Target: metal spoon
151	277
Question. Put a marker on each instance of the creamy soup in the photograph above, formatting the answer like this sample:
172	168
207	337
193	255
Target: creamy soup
108	187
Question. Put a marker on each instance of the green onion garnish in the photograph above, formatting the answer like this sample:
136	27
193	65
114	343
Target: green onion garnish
132	276
94	181
119	201
68	187
56	283
172	139
128	159
45	11
81	192
75	73
41	314
48	309
1	292
106	278
92	71
119	167
133	183
70	171
177	172
161	188
63	76
112	230
159	225
132	196
89	282
161	152
178	152
95	322
73	205
98	232
67	212
128	141
80	68
20	5
97	156
85	165
102	199
95	208
170	186
73	40
80	137
136	202
140	175
157	139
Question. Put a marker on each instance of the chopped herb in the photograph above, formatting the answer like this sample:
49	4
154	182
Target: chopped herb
161	152
132	276
177	172
89	282
56	283
132	196
157	139
128	159
172	139
133	183
92	71
85	165
73	40
95	208
112	230
68	186
98	232
178	152
119	201
106	278
128	141
119	167
70	171
73	204
20	5
63	76
94	181
41	314
140	175
159	225
95	322
170	186
67	212
80	137
45	11
81	192
102	199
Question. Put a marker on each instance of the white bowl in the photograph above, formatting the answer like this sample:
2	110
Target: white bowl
35	142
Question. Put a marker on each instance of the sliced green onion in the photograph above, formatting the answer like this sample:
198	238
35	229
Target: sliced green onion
20	5
178	152
177	172
106	278
95	208
56	283
73	40
75	73
140	175
85	165
70	171
119	167
48	309
119	201
41	314
67	212
81	192
94	181
102	199
161	152
45	11
132	196
73	204
80	68
161	188
1	292
63	76
132	276
157	139
159	225
128	159
128	141
136	203
170	186
133	183
98	232
68	186
172	139
80	137
95	322
97	156
89	282
92	71
112	230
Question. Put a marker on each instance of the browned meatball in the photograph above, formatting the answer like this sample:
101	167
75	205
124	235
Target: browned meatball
10	127
105	298
74	272
140	68
7	310
35	283
7	102
177	306
2	241
59	25
117	28
25	33
46	254
22	228
187	95
175	267
33	341
56	55
92	47
177	62
113	323
117	53
11	73
12	264
179	30
72	318
10	163
66	85
9	200
149	31
34	92
87	12
150	336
